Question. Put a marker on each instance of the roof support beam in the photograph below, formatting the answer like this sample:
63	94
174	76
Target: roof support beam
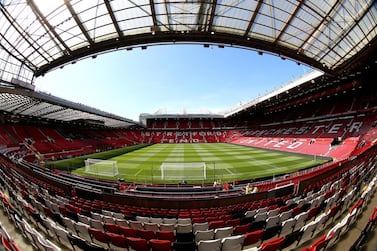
113	19
153	10
298	7
171	38
15	25
26	62
253	17
43	21
200	15
167	14
212	16
345	35
78	22
319	25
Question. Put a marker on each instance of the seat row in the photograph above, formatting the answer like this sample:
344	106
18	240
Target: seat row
6	240
367	231
332	236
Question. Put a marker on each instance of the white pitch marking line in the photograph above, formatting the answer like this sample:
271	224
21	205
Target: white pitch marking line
228	170
136	174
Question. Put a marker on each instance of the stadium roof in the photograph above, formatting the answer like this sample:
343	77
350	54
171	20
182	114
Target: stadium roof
24	103
37	35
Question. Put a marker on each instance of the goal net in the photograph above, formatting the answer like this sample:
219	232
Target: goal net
101	167
183	171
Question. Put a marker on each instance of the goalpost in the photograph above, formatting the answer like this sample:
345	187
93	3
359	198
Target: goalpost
183	170
101	167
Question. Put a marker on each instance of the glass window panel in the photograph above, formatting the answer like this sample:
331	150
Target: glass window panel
293	39
341	48
264	30
321	7
93	26
160	9
103	32
331	58
299	27
218	28
136	31
134	24
55	52
368	26
186	19
314	48
237	13
356	34
231	22
72	34
58	18
267	25
46	7
128	14
122	5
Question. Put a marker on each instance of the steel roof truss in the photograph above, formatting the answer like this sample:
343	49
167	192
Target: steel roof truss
78	22
113	18
42	19
293	15
345	36
253	17
212	15
17	27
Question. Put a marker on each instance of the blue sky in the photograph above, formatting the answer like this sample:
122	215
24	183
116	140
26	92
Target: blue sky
171	78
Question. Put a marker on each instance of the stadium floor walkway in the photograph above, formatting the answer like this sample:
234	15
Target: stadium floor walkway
342	245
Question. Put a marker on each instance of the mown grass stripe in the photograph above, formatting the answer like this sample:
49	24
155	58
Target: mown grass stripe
224	161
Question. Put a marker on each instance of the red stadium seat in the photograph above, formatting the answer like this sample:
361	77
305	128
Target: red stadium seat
253	237
160	245
165	235
273	245
137	244
117	240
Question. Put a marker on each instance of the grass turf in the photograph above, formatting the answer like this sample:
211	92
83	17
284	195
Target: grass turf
225	162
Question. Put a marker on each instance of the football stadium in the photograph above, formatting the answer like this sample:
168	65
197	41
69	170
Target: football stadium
291	169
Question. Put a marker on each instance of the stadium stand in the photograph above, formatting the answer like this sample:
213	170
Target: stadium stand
42	200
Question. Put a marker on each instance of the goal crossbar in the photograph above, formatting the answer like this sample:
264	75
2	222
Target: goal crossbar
183	170
101	167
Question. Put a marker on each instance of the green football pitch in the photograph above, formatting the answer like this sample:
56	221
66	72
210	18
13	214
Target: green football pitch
203	163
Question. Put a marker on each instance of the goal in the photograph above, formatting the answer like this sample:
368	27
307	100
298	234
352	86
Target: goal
101	167
183	171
